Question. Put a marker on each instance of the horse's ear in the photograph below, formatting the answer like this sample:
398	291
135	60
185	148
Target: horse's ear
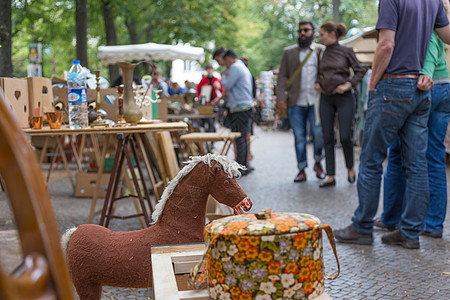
217	166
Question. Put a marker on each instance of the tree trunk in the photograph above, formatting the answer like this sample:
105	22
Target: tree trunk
131	26
134	39
81	23
149	34
168	69
336	13
111	38
6	68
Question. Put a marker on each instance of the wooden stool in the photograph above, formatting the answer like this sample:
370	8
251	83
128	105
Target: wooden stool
199	137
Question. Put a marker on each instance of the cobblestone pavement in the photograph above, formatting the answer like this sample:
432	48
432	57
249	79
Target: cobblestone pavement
367	272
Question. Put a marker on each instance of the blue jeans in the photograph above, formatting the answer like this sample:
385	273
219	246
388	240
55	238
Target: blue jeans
298	115
394	177
396	107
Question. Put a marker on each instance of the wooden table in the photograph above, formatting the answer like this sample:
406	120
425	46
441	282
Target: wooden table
199	137
123	153
171	266
140	128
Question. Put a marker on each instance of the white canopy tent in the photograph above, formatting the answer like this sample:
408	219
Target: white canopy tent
113	54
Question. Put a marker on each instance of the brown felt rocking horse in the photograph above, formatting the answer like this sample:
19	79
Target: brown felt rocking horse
97	256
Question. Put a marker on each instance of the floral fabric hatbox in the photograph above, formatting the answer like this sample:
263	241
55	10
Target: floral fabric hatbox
264	256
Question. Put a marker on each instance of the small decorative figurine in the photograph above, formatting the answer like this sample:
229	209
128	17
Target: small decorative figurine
97	256
98	102
120	117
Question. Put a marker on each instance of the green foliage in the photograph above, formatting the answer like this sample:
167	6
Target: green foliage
281	17
256	29
44	21
266	27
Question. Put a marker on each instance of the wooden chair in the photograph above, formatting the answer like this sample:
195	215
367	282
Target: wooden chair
43	273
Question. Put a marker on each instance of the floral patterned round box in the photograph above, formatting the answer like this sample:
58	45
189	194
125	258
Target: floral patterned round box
264	256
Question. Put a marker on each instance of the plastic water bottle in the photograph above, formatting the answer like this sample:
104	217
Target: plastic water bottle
77	97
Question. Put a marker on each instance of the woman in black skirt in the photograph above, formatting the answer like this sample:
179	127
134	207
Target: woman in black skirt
335	82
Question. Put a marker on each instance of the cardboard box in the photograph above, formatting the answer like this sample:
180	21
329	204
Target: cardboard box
205	109
16	91
40	94
38	142
85	185
60	95
157	110
147	111
162	110
112	109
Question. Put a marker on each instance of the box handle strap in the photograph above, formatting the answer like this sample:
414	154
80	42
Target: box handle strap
330	235
198	278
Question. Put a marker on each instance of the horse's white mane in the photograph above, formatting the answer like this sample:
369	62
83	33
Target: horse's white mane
230	167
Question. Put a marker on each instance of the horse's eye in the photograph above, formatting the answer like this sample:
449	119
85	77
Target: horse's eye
218	169
226	182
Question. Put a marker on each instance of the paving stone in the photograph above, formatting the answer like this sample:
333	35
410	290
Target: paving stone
367	272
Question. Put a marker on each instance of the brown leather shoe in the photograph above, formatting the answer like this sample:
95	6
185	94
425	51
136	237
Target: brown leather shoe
396	238
351	236
433	234
379	224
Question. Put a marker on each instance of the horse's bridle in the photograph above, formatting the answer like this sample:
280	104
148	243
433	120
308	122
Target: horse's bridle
243	206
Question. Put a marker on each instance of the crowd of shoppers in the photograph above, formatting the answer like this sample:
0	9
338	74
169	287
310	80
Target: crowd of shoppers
315	88
409	61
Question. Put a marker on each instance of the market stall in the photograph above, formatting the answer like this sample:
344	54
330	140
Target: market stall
364	44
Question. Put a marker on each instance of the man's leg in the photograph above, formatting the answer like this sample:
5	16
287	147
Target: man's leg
239	123
437	129
388	108
316	132
317	135
249	137
413	135
297	118
394	186
211	125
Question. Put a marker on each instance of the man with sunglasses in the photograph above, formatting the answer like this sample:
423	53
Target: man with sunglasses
296	94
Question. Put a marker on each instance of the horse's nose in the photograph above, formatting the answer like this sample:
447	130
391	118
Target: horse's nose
243	206
247	203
